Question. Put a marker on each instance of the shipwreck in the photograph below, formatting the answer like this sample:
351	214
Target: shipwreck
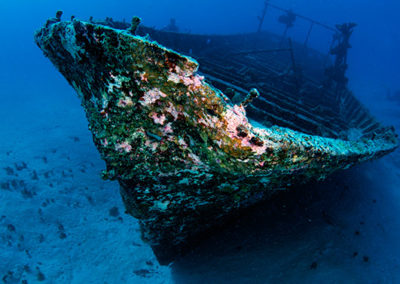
197	127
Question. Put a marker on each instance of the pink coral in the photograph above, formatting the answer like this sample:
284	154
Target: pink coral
236	117
182	143
168	129
125	102
151	96
144	77
124	146
178	75
172	111
195	159
160	119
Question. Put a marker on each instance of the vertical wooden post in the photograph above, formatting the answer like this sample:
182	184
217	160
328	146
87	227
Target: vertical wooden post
262	17
308	34
294	66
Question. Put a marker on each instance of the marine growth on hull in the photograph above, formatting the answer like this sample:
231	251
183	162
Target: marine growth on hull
193	139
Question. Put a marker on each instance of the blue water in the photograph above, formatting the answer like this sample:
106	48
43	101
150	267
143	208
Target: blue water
69	226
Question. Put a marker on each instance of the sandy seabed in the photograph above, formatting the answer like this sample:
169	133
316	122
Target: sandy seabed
61	223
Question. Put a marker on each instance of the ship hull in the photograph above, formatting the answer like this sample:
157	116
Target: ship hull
186	157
